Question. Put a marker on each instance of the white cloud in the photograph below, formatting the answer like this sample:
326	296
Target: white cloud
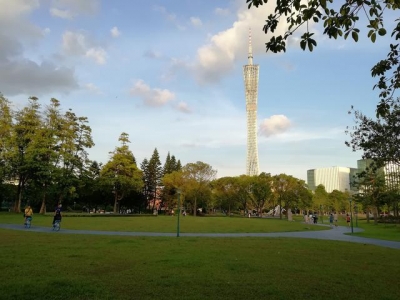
61	13
46	31
78	44
19	35
69	9
183	107
217	58
274	125
74	43
93	88
11	9
151	96
196	22
171	17
222	11
98	54
115	32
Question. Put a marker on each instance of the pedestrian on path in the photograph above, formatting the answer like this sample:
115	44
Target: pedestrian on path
331	219
348	220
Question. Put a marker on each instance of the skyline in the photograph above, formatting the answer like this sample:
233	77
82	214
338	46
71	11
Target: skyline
170	75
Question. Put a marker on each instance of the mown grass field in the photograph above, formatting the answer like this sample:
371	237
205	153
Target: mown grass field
61	266
166	223
53	266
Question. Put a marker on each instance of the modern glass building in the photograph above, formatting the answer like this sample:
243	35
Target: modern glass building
332	178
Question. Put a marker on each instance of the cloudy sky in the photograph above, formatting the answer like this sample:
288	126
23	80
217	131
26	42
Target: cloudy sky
170	74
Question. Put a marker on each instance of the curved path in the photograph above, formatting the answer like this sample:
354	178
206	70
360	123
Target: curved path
337	234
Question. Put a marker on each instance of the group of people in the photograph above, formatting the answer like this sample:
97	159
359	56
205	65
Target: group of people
311	218
333	219
28	213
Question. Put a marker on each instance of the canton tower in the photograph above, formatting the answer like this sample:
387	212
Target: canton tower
250	74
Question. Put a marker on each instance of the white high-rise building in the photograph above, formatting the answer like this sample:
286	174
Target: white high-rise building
390	171
250	73
332	178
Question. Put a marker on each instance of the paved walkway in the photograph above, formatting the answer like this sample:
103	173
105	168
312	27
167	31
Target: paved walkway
337	234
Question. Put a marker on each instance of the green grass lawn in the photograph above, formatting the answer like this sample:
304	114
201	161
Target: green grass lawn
61	266
167	223
381	231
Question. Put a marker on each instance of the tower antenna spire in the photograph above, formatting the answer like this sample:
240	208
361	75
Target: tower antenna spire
250	55
250	74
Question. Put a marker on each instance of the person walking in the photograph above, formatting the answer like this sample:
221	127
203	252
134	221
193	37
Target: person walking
331	219
335	219
57	214
315	217
28	213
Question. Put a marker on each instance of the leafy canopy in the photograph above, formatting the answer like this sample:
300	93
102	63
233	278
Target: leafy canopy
339	22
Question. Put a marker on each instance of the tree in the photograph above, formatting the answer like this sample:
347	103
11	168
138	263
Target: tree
197	177
154	173
337	201
224	192
6	127
261	190
120	174
28	123
242	186
337	23
173	182
289	191
320	197
378	138
371	184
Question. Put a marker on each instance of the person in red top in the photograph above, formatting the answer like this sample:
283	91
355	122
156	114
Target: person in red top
348	220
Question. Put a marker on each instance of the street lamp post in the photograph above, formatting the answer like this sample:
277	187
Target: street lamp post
356	212
179	212
322	213
351	215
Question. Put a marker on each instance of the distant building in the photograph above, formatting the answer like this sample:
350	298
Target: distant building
391	172
332	178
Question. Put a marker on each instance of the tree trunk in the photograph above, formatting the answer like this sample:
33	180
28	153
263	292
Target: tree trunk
43	206
154	199
17	204
115	202
375	215
195	206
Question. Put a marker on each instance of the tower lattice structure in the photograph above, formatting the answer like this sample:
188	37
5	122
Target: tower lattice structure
251	73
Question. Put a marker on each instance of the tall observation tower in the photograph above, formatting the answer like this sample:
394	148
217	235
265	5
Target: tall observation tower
250	73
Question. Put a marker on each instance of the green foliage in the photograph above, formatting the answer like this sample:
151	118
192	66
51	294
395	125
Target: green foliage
290	192
339	22
120	174
196	180
337	201
377	138
261	191
320	197
224	193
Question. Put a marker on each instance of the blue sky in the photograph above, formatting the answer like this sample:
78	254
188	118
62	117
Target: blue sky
169	73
